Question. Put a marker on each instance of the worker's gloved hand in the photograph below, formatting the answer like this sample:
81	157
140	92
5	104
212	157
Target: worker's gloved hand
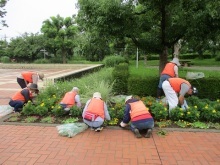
185	104
122	124
183	107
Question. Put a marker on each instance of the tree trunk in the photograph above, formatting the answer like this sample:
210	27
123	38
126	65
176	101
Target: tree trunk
163	59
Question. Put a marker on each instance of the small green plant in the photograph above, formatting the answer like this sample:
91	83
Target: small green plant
163	123
70	120
200	125
14	117
182	123
162	132
213	125
48	119
31	119
114	121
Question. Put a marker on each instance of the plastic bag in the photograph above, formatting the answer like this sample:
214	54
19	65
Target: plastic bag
194	75
71	129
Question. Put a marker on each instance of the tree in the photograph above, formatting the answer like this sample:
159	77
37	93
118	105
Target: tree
26	48
60	33
153	25
3	12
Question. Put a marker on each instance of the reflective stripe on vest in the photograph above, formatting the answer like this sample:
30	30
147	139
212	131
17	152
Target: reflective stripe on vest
96	106
169	69
27	76
176	83
138	108
69	98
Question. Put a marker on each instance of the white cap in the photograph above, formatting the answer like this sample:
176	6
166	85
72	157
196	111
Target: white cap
176	61
97	95
127	98
75	89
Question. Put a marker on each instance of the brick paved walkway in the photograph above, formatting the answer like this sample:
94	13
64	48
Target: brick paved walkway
40	145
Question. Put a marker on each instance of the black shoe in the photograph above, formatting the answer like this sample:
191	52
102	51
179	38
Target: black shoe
137	133
149	132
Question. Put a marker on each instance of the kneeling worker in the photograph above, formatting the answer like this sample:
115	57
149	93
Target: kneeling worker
71	99
140	117
23	96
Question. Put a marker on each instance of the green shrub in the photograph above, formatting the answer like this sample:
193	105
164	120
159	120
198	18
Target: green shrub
112	61
159	111
120	75
5	59
217	58
75	111
192	114
177	114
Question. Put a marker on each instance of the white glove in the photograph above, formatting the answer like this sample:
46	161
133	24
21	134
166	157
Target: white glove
185	104
183	107
123	124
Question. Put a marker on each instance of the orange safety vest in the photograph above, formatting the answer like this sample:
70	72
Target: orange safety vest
69	98
176	83
19	96
96	106
28	76
169	69
138	108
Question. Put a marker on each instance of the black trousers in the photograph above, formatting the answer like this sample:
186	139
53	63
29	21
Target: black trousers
21	82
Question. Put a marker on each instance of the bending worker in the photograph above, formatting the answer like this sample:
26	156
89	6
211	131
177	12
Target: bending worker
175	89
29	77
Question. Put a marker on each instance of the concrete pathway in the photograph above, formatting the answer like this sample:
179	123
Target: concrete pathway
41	145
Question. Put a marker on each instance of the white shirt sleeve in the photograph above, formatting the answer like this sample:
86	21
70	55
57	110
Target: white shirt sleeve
176	71
77	100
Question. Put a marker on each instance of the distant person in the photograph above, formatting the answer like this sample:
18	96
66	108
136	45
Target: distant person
29	77
71	99
170	70
141	119
175	90
95	112
23	96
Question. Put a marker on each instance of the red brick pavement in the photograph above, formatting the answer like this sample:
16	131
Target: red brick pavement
42	145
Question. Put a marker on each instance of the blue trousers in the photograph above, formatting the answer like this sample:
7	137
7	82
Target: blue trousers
16	104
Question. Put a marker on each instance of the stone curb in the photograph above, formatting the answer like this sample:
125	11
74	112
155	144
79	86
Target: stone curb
107	127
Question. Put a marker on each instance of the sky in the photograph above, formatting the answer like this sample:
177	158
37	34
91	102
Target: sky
28	15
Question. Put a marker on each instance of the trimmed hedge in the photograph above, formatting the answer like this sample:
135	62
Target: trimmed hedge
120	77
147	86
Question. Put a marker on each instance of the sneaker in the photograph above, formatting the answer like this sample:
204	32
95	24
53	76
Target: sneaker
92	128
137	133
98	129
149	132
66	109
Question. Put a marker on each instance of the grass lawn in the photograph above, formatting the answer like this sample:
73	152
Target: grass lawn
151	68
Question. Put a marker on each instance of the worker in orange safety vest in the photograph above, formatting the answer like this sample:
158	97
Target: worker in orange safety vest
70	99
170	70
23	96
141	119
29	77
95	112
